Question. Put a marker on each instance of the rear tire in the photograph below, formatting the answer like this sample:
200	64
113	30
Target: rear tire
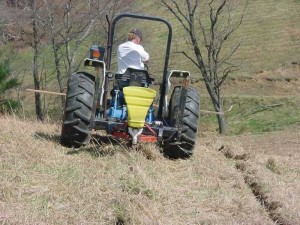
184	113
78	113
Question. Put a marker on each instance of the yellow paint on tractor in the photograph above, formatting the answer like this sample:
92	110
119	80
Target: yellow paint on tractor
138	100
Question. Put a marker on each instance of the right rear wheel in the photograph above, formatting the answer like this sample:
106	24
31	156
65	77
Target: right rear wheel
78	111
184	114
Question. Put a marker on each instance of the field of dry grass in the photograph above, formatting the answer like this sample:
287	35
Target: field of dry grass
239	180
229	180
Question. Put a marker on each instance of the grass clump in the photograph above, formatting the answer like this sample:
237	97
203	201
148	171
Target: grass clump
272	165
121	212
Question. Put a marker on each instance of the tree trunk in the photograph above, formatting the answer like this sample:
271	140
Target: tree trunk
221	117
222	124
38	103
58	72
218	108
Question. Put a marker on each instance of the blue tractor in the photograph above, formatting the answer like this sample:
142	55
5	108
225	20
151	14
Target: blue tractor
127	110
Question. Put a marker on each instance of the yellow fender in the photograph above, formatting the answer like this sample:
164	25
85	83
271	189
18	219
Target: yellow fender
138	100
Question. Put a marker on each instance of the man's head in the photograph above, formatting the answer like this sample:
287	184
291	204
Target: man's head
135	35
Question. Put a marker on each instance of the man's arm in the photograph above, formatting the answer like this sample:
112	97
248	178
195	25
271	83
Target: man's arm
144	54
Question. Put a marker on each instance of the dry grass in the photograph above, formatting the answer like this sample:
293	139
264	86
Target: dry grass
272	171
45	183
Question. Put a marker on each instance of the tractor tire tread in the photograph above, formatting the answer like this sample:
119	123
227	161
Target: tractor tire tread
78	110
187	123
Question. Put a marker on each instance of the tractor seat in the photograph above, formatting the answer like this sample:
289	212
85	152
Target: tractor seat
134	77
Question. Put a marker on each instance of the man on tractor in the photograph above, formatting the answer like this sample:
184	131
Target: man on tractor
131	54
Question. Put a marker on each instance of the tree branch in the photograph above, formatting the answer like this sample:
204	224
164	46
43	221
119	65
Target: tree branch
189	57
176	15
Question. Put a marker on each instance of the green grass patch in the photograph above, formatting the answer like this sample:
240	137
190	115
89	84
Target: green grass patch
254	114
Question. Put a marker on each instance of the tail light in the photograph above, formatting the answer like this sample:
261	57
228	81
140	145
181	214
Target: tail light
97	52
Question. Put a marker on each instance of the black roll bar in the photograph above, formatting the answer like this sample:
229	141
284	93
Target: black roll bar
168	49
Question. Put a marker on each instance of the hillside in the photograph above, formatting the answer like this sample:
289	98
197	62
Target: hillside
251	176
269	36
232	180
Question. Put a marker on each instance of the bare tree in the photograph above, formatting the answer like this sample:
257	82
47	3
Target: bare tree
62	25
68	24
36	45
22	22
208	31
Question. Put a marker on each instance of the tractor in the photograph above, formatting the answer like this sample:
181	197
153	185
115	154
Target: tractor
128	110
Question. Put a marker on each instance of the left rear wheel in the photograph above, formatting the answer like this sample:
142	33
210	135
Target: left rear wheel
78	112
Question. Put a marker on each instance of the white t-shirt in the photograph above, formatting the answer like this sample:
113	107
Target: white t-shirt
131	55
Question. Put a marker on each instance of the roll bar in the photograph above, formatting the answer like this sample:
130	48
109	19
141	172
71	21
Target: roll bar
168	49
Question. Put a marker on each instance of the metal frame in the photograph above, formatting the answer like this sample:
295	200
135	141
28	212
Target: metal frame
168	49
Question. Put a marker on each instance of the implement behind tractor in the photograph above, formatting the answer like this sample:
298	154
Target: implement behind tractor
128	110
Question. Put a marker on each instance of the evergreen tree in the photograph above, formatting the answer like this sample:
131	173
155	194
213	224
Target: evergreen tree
6	83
